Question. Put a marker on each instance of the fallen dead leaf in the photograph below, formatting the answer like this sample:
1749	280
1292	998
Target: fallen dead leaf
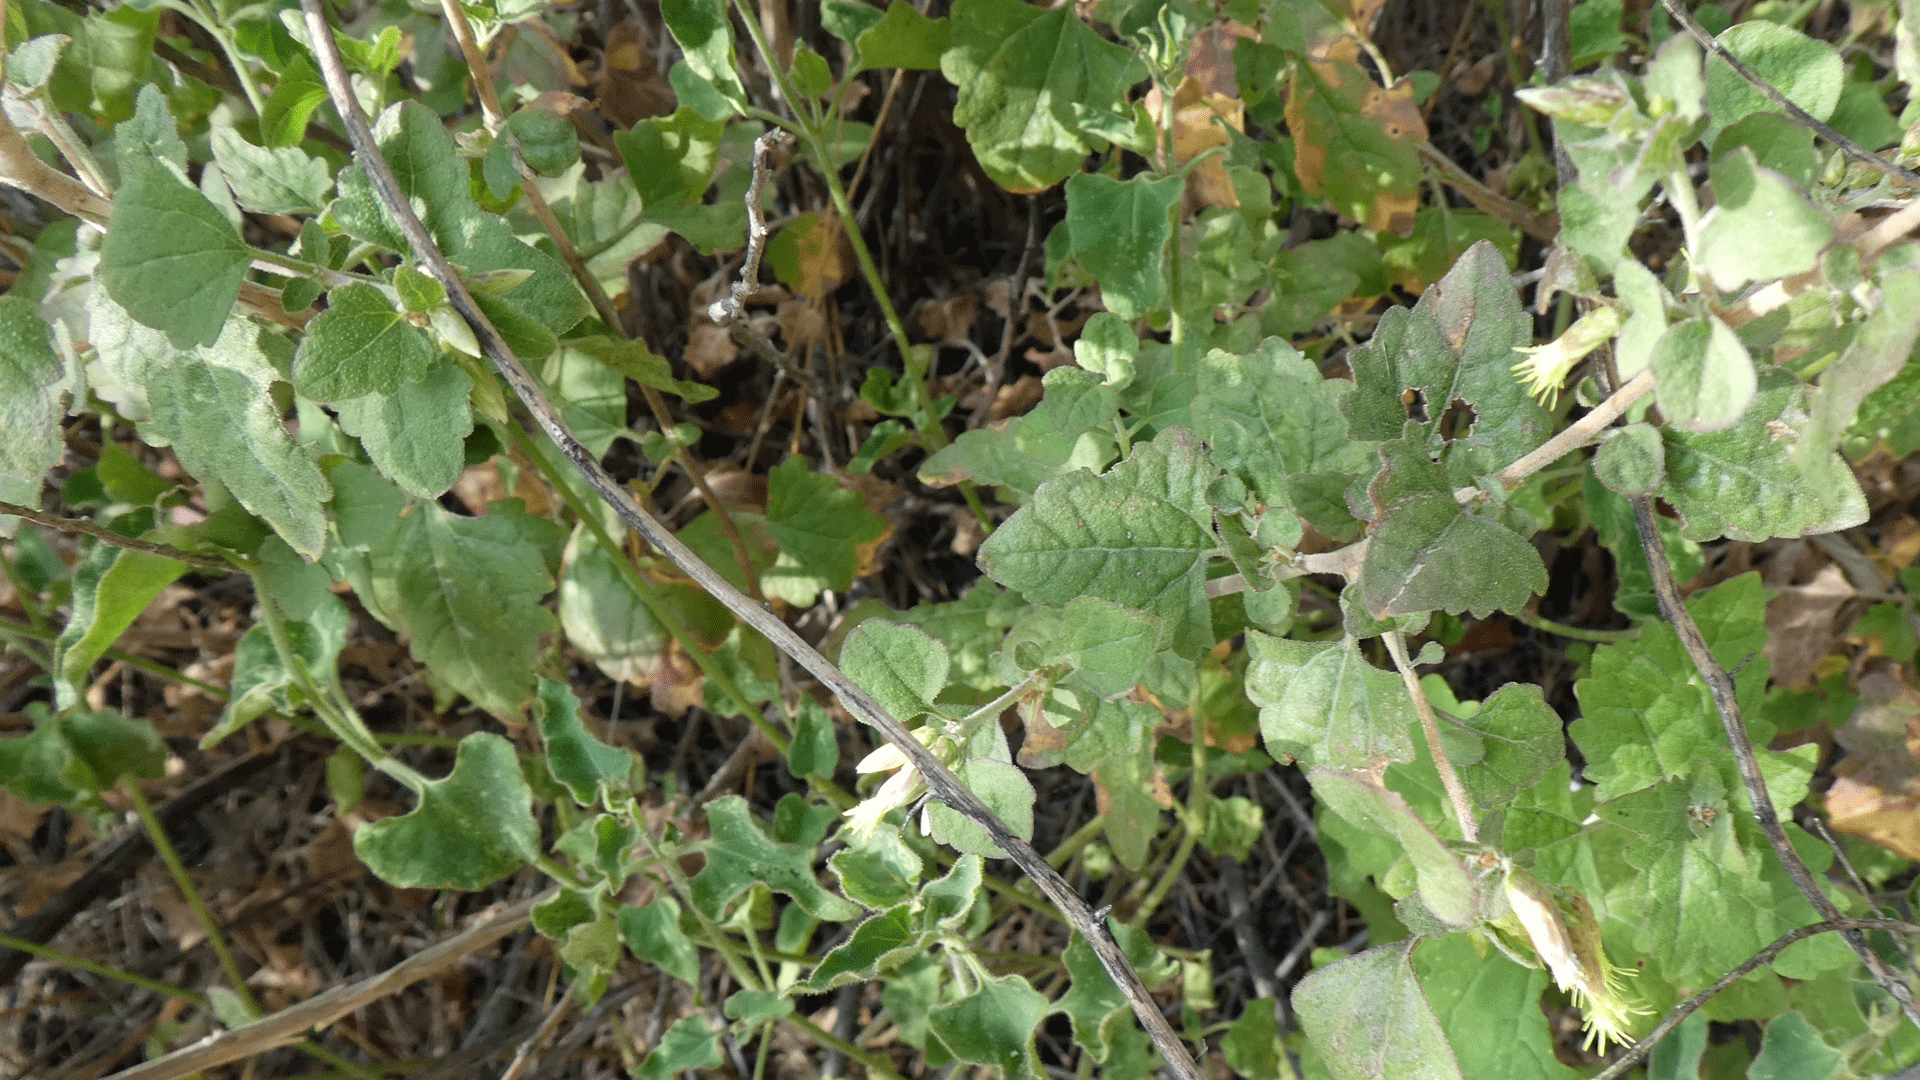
1803	625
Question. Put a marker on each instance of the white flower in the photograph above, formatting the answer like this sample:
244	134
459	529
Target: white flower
1567	939
1546	366
899	790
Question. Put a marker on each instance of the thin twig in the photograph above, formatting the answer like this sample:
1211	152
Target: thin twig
939	778
1645	1046
108	536
1720	686
1799	115
1430	727
1571	438
1345	562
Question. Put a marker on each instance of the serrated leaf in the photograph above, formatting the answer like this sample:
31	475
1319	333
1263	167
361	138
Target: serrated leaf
171	258
1744	483
705	34
268	180
1021	72
1118	231
425	164
467	592
1427	553
881	942
471	828
1521	739
995	1026
637	362
1455	352
1139	535
686	1045
1357	144
360	345
1489	1008
30	412
1446	888
1253	1046
739	854
819	526
653	933
110	590
1760	227
297	94
1110	644
902	667
1272	413
1632	461
1075	401
993	455
417	434
1368	1017
575	758
1808	73
1324	704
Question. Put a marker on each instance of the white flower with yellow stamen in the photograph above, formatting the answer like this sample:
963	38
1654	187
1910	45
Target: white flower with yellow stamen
1546	366
899	789
1567	939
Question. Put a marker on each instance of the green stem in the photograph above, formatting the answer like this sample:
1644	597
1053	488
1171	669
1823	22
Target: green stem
198	12
1189	836
875	1064
330	705
1577	633
81	963
1071	846
163	847
29	600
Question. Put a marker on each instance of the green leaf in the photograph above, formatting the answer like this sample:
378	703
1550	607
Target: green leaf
739	854
1745	484
417	434
30	393
1631	462
548	142
1489	1008
1428	553
271	181
1521	740
296	96
686	1045
1023	75
1792	1049
1006	791
110	590
637	362
119	50
882	942
1272	413
1253	1046
1356	144
467	592
360	345
995	456
1368	1017
214	406
1139	536
705	34
574	756
879	871
1808	73
261	680
902	38
1876	356
1760	227
471	829
815	749
1446	888
1110	644
903	667
653	933
171	258
995	1026
1075	401
1094	1005
671	159
1454	352
1118	231
819	526
1324	704
754	1007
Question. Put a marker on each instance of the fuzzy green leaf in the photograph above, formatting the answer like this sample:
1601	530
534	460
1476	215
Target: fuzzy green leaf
1446	887
260	677
995	1026
268	180
819	526
739	854
1520	739
1006	791
171	258
1744	483
1706	379
1632	461
705	34
879	871
471	829
1024	74
574	756
1324	704
1793	1049
1489	1008
1139	535
879	943
1094	1005
1761	226
1808	73
671	159
1427	553
30	413
1272	413
1368	1017
110	590
686	1045
1118	230
901	666
417	434
902	38
653	933
360	345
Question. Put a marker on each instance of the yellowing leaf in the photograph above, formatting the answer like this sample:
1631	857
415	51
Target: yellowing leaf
1356	143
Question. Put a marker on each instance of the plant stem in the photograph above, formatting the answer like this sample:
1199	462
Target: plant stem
1577	633
1430	727
875	1064
108	536
210	926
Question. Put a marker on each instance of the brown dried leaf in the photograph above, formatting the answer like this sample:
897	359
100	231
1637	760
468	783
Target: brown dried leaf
1803	625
